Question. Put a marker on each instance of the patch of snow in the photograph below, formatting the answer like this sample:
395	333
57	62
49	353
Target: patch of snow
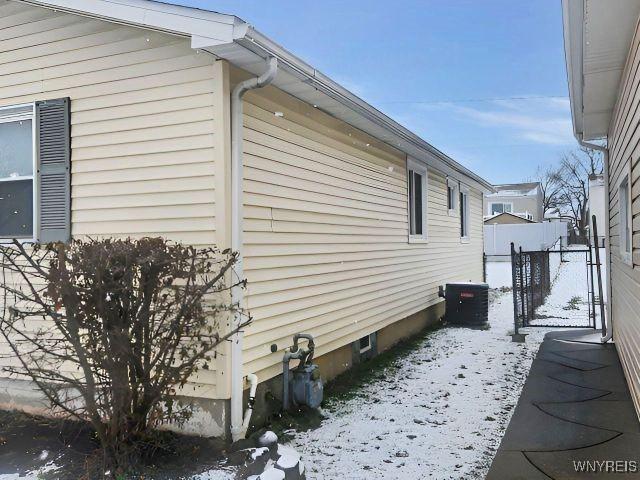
567	304
36	474
272	474
268	438
499	274
287	461
215	475
439	412
287	451
258	452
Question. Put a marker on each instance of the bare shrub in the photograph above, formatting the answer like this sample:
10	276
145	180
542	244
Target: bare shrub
110	330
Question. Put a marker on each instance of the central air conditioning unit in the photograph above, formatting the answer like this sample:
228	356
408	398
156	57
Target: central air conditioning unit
466	303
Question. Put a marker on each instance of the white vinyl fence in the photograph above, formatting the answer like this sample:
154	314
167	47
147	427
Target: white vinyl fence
529	236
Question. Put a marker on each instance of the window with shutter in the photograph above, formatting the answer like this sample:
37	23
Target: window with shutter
17	165
53	142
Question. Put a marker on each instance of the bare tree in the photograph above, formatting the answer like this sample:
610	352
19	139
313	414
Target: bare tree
575	169
551	185
111	330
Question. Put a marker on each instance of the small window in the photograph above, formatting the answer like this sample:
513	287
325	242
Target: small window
625	219
365	344
16	173
452	196
464	214
417	178
497	208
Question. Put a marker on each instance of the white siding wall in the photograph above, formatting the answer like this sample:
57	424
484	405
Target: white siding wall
145	121
624	151
326	227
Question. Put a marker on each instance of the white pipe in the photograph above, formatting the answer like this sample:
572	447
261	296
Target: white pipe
237	292
253	386
607	246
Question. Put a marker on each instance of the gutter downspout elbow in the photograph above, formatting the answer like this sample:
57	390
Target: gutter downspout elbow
238	430
605	152
252	378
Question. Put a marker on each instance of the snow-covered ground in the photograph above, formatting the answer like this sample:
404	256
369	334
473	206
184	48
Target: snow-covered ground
499	274
439	412
567	304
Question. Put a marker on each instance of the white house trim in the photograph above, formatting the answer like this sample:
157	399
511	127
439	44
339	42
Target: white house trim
234	40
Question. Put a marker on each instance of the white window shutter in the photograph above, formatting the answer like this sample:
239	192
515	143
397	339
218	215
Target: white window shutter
53	146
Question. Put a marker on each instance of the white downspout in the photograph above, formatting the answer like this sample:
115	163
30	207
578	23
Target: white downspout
607	246
238	428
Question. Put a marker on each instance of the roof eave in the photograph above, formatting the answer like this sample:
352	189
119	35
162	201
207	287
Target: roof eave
573	21
259	43
227	36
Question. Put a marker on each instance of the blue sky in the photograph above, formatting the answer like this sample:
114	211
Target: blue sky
482	80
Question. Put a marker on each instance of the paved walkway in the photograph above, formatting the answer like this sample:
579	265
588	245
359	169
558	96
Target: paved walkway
575	407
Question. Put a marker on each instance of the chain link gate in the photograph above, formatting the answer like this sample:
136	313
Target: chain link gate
533	274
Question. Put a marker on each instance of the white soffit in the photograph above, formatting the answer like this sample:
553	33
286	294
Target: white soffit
598	35
234	40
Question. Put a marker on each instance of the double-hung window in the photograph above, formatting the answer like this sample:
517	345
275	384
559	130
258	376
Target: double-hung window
17	168
417	180
624	199
464	213
35	169
452	196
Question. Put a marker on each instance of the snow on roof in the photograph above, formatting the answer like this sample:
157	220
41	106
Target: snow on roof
516	189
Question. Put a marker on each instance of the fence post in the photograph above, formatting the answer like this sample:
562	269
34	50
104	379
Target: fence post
523	287
484	267
600	291
514	288
592	290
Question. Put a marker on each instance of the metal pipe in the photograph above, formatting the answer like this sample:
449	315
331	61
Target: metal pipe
298	354
600	292
237	292
304	355
607	246
311	346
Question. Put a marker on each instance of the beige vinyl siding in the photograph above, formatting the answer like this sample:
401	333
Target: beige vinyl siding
326	233
147	129
624	154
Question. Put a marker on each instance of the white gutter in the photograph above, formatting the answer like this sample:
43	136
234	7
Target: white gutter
238	429
231	38
265	47
607	248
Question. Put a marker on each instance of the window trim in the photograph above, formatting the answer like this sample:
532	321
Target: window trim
25	111
491	204
626	257
464	190
455	186
368	347
421	169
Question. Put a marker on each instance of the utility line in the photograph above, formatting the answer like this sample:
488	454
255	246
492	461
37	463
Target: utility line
470	100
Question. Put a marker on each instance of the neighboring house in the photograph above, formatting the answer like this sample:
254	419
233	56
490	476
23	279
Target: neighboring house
505	218
522	199
602	44
347	222
597	206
